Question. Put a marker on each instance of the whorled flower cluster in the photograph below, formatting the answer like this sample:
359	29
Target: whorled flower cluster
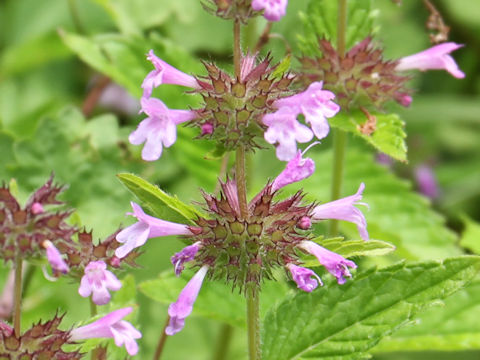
236	111
243	10
243	250
363	78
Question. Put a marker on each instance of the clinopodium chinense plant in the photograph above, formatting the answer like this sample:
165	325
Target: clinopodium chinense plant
262	228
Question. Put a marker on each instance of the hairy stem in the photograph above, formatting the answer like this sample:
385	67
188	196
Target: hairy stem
161	341
253	323
17	296
241	182
224	339
236	47
339	136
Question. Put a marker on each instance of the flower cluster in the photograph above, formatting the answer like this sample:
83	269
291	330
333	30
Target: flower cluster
243	10
363	78
236	110
244	250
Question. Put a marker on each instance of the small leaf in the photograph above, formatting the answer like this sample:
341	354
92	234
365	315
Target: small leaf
282	67
344	322
161	204
351	248
388	136
471	235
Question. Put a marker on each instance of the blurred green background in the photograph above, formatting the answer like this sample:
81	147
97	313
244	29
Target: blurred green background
55	53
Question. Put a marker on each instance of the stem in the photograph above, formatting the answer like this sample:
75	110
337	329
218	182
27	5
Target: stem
94	95
93	308
72	4
226	332
339	136
236	48
161	341
241	182
263	40
223	171
17	296
253	323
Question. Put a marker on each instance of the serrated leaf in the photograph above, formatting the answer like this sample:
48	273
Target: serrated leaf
453	326
344	322
388	137
162	205
351	248
321	22
216	300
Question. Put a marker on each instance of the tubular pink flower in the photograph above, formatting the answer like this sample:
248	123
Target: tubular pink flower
297	169
55	258
343	209
303	278
147	227
165	74
187	254
284	129
111	326
274	10
305	223
159	128
315	104
97	281
183	307
436	58
426	182
334	263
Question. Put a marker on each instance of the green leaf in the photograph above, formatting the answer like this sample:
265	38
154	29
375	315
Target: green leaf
471	235
344	322
216	300
282	67
351	248
454	326
388	137
320	21
161	204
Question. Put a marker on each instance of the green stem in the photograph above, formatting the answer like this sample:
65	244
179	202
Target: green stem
17	296
253	323
161	341
95	353
241	181
224	340
93	308
339	136
236	47
72	4
339	147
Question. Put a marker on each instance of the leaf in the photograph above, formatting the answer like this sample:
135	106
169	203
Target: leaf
216	300
344	322
320	21
282	67
351	248
453	326
471	235
161	204
388	137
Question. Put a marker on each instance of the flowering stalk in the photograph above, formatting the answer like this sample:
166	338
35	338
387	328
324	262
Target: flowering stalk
339	136
17	296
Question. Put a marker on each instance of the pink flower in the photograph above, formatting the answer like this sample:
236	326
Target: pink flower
436	58
55	258
315	104
164	74
147	227
303	278
297	169
37	208
97	281
284	129
334	263
183	307
187	254
426	182
159	128
274	10
111	326
343	209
